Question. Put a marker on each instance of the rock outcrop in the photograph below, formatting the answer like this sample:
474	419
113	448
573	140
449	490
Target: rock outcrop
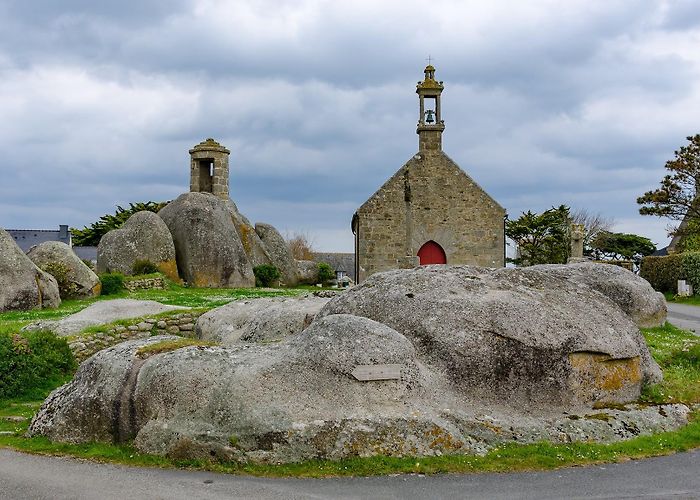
631	292
434	360
208	249
23	285
526	335
279	252
82	281
252	245
143	237
258	320
308	272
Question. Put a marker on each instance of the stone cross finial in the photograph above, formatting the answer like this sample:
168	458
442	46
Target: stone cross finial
577	234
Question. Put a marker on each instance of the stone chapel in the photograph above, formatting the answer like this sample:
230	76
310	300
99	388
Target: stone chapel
430	211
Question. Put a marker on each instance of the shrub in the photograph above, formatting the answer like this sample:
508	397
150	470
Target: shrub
31	362
112	283
66	287
265	274
664	272
144	267
325	272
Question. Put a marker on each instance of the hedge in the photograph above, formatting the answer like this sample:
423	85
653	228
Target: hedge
664	272
31	361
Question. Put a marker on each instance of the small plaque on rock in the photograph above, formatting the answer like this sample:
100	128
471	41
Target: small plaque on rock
366	373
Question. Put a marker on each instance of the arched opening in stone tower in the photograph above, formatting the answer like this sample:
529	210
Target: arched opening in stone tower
431	253
206	175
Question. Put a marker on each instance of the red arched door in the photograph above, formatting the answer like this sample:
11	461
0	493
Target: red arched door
431	253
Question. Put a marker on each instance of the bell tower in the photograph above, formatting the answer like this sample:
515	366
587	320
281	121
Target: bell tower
209	168
430	123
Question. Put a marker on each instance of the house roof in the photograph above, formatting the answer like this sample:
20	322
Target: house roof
27	238
338	261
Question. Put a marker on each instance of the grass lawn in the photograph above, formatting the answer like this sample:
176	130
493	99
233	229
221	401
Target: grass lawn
693	300
676	351
201	298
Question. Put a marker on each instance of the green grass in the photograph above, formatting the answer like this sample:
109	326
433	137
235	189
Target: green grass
678	355
693	300
201	298
171	345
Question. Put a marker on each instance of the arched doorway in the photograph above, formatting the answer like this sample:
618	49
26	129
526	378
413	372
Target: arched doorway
431	253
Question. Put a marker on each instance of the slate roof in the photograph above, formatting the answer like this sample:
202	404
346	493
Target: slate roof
86	253
338	261
27	238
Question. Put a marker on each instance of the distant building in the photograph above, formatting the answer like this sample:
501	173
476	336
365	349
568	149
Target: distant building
342	263
27	238
430	211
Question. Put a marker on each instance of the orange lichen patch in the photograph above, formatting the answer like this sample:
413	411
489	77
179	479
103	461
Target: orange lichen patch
600	372
97	289
442	440
244	231
206	280
169	269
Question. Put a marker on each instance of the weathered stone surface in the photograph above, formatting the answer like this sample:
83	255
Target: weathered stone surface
23	285
297	400
86	282
631	292
484	357
101	313
526	335
279	252
308	272
143	237
209	251
253	246
266	319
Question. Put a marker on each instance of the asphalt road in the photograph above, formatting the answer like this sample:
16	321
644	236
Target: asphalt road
37	477
684	316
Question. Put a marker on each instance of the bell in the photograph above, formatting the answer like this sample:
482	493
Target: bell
429	116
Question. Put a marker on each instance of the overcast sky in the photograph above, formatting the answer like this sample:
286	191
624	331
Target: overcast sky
545	103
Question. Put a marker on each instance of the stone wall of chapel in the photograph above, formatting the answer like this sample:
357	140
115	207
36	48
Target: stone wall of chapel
444	205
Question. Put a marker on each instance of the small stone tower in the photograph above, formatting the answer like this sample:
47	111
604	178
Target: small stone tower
430	123
209	168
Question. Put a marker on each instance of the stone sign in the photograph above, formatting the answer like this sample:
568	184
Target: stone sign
366	373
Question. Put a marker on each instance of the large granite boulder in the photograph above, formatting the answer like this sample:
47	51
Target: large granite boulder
143	237
631	292
208	249
526	335
279	252
346	386
81	281
253	246
434	360
23	285
308	272
257	320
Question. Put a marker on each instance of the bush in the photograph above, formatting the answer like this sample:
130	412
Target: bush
141	267
66	287
664	272
325	272
112	283
31	362
265	274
